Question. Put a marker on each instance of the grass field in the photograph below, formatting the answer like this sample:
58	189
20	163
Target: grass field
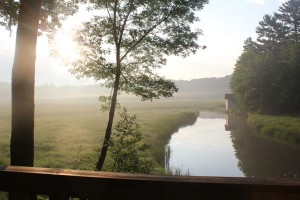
68	132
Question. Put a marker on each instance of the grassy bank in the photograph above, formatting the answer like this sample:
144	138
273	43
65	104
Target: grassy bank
282	128
68	132
165	127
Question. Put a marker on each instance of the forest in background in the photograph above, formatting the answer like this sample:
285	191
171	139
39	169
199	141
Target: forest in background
207	88
266	75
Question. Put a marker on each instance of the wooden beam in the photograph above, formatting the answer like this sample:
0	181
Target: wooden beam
105	185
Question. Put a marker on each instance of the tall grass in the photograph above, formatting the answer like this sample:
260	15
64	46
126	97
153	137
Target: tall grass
69	132
282	128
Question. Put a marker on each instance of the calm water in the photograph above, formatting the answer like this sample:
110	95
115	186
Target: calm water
207	149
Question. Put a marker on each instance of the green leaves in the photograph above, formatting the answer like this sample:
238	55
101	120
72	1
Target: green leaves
9	13
127	149
132	38
149	87
125	42
265	78
289	14
51	15
271	33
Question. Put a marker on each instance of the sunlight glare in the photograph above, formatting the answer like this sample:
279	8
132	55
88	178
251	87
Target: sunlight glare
65	47
60	69
65	51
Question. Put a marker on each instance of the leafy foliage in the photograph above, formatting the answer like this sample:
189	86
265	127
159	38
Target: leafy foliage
266	74
8	13
140	33
127	40
127	149
51	15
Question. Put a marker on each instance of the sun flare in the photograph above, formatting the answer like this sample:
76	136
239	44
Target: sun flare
65	47
65	51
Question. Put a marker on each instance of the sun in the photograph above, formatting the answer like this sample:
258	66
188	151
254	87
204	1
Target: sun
65	47
64	52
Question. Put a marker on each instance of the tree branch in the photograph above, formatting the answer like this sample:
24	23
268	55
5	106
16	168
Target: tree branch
115	23
125	21
148	32
109	15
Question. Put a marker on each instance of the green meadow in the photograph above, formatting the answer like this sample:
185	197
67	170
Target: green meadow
69	131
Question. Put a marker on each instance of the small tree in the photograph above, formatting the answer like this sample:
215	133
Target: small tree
128	40
127	149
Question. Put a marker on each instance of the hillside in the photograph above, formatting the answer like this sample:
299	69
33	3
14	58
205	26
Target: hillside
204	87
196	88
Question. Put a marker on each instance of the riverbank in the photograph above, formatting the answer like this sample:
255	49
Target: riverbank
281	128
164	129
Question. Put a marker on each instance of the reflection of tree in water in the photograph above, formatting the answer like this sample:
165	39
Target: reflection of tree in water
167	156
261	157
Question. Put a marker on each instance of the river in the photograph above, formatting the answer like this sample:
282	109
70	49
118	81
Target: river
216	145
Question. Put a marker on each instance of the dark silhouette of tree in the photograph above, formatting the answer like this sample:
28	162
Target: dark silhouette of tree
30	16
128	40
22	133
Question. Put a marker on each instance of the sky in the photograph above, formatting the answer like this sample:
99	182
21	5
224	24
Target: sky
225	26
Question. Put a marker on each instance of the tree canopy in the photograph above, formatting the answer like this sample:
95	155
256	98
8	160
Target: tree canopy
52	13
266	75
128	39
141	33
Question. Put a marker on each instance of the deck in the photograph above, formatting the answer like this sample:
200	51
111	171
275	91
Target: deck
63	183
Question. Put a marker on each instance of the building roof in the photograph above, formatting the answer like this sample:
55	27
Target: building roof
228	96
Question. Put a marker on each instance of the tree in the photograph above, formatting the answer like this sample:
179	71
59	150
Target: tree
22	133
9	13
271	33
31	16
289	14
265	78
128	151
128	40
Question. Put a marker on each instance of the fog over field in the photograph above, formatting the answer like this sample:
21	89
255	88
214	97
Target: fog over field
197	88
69	125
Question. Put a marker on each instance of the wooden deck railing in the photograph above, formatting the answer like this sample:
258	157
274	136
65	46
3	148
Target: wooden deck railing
103	185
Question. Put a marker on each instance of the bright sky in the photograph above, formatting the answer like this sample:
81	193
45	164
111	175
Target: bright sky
225	25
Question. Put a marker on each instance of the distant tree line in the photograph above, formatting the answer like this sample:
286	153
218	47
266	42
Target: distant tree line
266	76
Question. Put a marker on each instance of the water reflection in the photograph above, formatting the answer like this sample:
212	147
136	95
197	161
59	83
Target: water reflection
230	124
206	149
261	157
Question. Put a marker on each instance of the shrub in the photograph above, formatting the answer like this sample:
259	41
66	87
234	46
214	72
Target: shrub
128	151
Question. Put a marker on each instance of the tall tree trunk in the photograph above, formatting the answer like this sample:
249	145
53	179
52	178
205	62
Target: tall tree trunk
108	131
23	79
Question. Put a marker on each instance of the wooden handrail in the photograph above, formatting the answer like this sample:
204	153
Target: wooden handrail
105	185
